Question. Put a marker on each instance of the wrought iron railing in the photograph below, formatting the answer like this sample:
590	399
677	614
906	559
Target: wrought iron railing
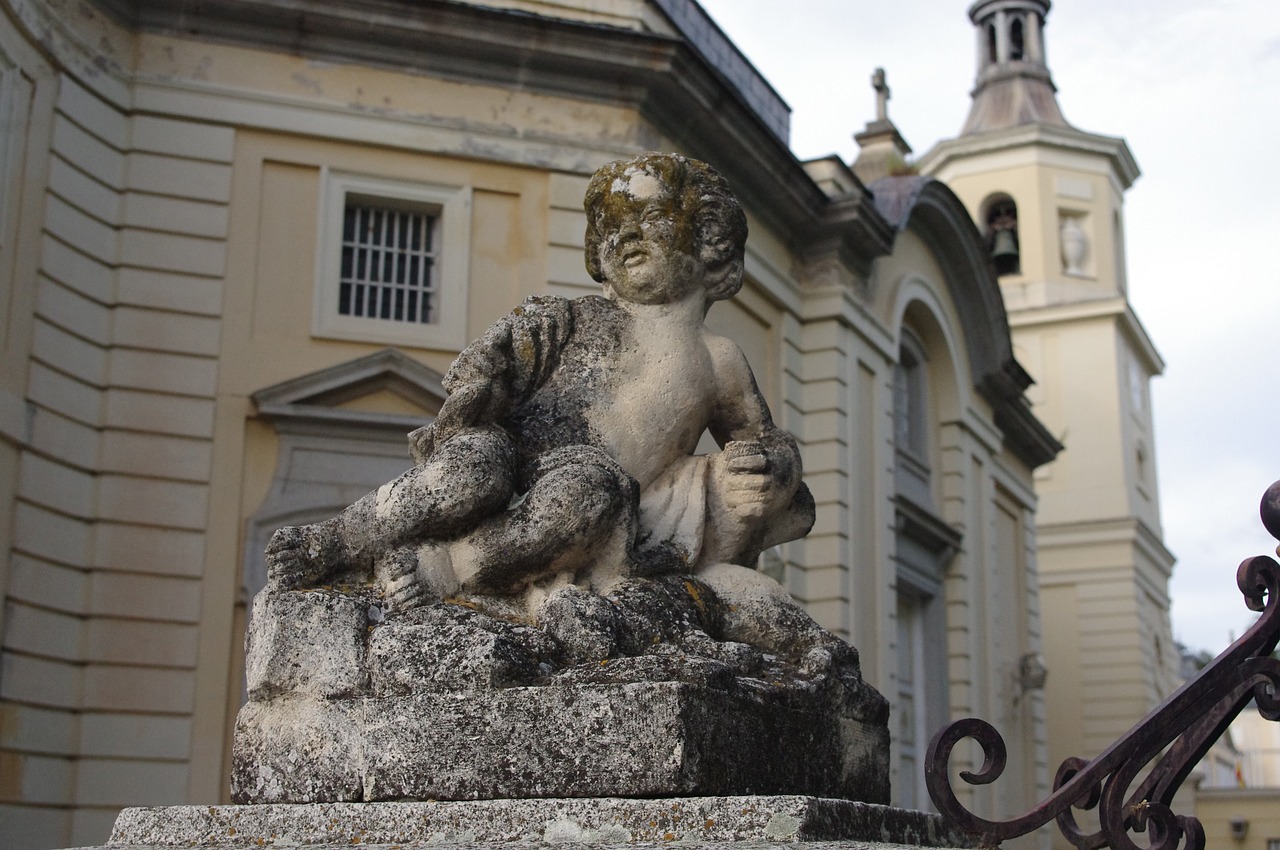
1171	740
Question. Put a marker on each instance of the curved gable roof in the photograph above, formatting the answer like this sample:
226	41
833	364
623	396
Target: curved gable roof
928	208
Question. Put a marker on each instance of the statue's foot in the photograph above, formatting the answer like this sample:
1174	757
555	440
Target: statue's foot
417	575
832	657
302	556
743	658
584	624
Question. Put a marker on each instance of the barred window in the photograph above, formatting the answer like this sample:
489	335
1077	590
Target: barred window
393	262
388	264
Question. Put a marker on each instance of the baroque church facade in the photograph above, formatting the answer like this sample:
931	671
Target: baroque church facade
1049	199
192	354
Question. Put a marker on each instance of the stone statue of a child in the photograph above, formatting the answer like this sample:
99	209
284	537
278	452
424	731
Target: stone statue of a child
564	453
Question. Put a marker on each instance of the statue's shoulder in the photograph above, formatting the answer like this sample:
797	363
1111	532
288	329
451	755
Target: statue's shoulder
583	304
593	306
542	304
599	324
566	314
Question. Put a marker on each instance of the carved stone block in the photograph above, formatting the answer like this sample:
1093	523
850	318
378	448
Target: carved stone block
463	706
447	647
307	642
298	748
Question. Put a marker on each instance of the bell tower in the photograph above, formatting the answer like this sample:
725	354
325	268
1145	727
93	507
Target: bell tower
1013	85
1049	200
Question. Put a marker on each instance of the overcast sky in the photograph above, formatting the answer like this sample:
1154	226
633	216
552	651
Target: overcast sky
1194	87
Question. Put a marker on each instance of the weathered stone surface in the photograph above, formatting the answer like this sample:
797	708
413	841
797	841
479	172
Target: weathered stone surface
565	450
297	748
447	647
691	821
462	705
310	642
590	841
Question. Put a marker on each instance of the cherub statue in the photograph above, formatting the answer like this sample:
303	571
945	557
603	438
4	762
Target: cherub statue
564	453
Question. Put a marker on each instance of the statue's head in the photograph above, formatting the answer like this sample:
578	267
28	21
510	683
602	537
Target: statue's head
668	218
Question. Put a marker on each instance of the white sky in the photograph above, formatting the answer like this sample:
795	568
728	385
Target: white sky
1194	87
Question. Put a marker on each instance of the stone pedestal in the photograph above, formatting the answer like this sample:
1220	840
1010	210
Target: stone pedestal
689	821
639	739
446	703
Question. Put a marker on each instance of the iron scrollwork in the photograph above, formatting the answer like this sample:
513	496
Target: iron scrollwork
1173	737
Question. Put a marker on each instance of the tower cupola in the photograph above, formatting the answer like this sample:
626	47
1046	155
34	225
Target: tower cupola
1013	83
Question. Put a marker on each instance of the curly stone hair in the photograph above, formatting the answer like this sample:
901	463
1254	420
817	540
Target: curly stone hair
720	226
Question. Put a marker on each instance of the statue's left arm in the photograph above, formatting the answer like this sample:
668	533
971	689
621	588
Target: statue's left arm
757	498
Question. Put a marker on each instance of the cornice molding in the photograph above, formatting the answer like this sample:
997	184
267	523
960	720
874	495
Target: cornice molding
1112	148
312	402
688	100
1117	309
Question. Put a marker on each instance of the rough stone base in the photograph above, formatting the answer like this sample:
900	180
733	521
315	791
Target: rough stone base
446	703
591	821
639	739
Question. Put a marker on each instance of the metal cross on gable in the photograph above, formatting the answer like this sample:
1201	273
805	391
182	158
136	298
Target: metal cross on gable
1172	739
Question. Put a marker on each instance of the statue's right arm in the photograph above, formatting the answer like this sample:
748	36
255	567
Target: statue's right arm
499	371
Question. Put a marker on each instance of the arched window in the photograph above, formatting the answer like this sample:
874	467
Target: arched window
923	547
910	422
1017	50
992	50
1000	220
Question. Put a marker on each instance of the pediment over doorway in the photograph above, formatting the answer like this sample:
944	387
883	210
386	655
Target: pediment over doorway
341	433
386	389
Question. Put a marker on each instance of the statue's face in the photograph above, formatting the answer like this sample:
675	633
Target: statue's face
647	252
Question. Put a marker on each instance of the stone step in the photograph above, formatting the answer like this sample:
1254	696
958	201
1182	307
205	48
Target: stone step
690	821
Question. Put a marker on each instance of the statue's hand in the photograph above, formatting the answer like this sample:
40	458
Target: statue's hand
741	474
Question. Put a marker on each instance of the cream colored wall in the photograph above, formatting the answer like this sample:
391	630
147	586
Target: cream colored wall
1075	399
1083	358
379	107
990	591
1216	807
1100	552
1258	742
37	733
113	466
1047	183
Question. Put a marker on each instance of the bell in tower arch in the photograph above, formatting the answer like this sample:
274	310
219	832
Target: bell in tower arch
1002	235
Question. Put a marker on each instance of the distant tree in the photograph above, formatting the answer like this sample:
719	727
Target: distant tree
1195	660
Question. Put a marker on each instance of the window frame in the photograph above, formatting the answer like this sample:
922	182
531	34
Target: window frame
450	206
914	429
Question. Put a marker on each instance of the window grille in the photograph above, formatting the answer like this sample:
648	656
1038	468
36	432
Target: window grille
388	266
